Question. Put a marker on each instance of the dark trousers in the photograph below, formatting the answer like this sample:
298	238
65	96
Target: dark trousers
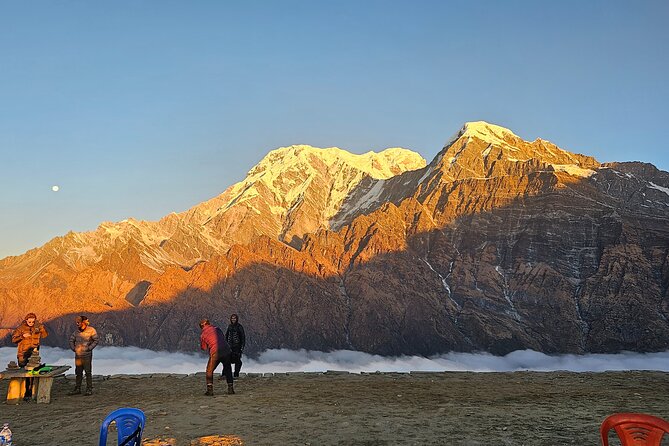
83	364
236	359
214	360
29	381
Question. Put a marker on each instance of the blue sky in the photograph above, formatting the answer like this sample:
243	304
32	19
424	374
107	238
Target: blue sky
141	108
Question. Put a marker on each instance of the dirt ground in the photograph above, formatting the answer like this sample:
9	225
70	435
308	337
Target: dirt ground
451	408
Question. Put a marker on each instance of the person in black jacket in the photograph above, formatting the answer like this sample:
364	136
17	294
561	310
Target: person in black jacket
236	339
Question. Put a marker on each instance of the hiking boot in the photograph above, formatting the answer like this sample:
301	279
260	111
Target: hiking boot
88	392
209	392
76	391
231	389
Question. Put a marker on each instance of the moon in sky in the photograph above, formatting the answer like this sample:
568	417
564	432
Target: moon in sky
55	188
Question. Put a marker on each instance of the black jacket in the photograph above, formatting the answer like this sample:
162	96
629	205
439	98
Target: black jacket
235	337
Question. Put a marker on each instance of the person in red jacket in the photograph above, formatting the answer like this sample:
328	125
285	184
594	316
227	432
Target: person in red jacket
213	340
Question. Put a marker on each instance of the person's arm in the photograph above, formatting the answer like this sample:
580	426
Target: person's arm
73	340
203	344
42	331
17	336
93	341
242	336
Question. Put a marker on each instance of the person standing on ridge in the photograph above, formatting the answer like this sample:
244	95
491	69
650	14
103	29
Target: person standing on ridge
212	339
82	343
237	340
27	337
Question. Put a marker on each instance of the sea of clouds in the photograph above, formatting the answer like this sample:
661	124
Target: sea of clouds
133	360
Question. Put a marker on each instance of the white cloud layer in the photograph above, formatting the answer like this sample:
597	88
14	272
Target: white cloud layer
133	360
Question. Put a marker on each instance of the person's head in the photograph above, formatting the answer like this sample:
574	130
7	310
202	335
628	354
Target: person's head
234	319
30	319
204	323
81	321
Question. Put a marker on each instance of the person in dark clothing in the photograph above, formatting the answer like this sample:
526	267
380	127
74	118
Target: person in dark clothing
27	337
212	340
82	343
236	339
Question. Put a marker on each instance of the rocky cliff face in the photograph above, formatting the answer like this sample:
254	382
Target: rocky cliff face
498	244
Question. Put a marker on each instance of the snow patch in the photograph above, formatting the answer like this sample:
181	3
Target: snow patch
113	231
427	173
372	195
660	188
505	292
486	130
490	133
443	281
75	258
573	170
155	259
288	173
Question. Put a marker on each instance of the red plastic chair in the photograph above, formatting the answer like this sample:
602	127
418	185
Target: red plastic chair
634	429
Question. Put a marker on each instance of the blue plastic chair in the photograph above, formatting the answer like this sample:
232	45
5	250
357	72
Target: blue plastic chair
129	423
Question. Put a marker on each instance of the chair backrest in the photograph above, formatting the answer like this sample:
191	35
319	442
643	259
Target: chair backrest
129	422
634	429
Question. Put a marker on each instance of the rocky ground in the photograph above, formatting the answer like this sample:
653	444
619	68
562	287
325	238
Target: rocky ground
522	408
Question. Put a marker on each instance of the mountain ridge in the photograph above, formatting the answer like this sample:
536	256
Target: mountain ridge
496	244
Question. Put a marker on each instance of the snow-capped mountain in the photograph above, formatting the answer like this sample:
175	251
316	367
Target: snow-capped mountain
296	190
292	191
497	244
478	152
